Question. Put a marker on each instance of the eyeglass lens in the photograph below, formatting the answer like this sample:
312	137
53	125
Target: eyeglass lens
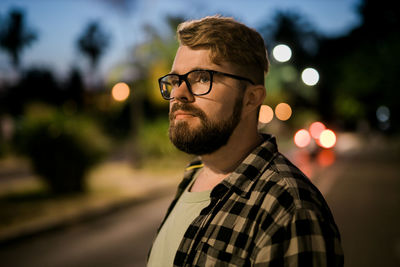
199	82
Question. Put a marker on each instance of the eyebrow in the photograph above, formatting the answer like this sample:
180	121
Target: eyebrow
193	69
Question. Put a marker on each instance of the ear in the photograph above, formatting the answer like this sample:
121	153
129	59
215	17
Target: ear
253	97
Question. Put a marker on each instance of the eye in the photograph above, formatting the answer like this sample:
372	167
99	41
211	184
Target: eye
202	77
174	82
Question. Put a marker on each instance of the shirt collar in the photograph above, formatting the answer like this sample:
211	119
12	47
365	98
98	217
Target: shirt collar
243	178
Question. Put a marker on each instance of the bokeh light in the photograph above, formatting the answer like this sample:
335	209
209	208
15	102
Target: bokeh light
326	157
383	113
283	111
310	76
282	53
120	91
327	139
302	138
266	114
316	129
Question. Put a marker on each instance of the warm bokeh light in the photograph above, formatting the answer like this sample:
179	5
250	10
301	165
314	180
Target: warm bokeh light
266	114
310	76
316	129
326	157
282	53
120	91
283	111
302	138
327	139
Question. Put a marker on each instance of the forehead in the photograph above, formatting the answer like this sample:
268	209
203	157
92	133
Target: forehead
188	59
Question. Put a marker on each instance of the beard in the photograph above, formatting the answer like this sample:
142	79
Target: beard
206	138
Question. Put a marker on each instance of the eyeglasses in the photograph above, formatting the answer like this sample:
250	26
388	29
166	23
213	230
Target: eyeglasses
199	82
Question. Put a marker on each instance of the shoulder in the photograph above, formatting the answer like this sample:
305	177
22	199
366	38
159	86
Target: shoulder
286	190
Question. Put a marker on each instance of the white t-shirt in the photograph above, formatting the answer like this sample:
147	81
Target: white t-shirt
171	234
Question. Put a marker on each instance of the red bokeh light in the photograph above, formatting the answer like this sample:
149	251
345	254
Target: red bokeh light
326	157
316	129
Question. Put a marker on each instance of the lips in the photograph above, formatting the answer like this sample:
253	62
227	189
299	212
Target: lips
185	111
182	114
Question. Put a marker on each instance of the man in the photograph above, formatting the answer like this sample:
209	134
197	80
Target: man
241	202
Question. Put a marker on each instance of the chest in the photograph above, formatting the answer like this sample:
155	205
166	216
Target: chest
226	231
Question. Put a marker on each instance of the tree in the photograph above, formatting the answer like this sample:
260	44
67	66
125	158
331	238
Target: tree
34	85
284	79
93	42
15	36
361	68
74	89
292	29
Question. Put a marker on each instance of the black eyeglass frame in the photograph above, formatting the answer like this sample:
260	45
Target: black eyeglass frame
183	77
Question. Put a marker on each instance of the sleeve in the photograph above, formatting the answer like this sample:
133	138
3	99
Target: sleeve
303	240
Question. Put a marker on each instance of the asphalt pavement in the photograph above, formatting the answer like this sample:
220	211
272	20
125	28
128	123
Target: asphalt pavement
365	200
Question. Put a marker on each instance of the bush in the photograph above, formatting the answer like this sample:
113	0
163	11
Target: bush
61	148
153	139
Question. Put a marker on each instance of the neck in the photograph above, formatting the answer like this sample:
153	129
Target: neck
219	164
227	158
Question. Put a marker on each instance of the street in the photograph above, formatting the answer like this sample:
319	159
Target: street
121	239
362	189
365	201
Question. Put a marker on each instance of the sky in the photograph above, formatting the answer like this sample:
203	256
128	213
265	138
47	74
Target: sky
59	23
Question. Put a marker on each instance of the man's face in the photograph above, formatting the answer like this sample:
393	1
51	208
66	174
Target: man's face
202	124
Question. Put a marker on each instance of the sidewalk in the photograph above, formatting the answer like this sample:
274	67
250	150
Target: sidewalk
26	211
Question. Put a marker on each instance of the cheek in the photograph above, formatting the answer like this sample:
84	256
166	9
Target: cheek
219	111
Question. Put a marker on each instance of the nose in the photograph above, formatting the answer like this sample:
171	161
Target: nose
183	94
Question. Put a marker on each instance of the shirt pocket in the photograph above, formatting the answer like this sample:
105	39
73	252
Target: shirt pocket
210	256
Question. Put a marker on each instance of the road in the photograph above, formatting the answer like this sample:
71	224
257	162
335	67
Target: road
118	240
362	189
365	200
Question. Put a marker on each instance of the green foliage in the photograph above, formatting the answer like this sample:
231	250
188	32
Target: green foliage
360	70
156	150
369	78
61	148
153	139
348	108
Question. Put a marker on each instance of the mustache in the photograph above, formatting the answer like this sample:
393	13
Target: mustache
188	108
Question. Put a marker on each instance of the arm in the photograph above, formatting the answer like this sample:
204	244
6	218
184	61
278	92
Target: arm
304	239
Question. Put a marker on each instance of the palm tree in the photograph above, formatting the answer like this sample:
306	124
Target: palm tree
93	42
15	36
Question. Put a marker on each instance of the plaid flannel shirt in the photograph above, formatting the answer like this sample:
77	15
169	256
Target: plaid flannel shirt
266	213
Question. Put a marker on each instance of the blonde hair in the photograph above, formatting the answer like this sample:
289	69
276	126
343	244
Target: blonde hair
228	41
